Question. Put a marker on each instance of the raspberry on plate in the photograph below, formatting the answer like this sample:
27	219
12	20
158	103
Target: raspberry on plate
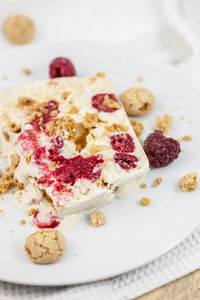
160	150
61	67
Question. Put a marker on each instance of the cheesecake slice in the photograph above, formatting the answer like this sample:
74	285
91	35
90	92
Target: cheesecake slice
75	147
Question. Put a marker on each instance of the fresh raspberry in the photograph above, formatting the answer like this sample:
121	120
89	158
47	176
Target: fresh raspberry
61	67
122	143
126	161
160	150
97	102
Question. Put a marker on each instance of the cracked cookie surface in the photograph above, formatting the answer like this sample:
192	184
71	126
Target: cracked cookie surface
45	246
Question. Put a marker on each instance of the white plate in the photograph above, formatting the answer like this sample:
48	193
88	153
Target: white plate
192	9
133	235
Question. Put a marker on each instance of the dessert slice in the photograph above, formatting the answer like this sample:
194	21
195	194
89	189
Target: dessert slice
75	146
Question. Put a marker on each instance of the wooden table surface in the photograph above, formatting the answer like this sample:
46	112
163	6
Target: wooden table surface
185	288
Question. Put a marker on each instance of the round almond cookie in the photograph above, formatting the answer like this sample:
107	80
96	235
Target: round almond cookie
45	246
137	101
19	29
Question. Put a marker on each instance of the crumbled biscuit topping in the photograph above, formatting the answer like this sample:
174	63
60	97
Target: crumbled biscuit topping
94	149
90	120
15	128
157	182
164	123
110	102
65	94
32	211
6	136
25	101
97	218
61	125
188	182
145	201
22	222
73	110
116	128
137	127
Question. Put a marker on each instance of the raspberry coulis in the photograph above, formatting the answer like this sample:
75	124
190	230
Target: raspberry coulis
67	171
47	221
98	99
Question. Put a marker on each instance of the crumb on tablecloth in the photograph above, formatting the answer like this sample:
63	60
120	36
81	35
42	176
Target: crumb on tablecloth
143	185
26	71
137	127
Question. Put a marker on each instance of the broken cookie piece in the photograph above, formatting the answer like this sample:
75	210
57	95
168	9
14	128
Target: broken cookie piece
97	218
188	182
45	246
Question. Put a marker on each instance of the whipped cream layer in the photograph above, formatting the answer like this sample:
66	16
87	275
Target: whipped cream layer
77	149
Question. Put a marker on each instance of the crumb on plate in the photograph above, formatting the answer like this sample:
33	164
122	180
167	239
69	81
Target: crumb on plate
187	138
97	218
143	185
188	182
145	201
157	182
163	123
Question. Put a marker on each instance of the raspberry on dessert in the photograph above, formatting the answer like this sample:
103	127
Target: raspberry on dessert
98	102
61	67
78	167
160	150
122	143
126	161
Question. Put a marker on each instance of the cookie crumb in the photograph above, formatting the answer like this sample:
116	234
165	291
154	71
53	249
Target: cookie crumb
10	230
19	29
187	138
145	201
163	123
140	79
97	218
26	71
1	211
110	103
90	120
188	182
143	185
4	77
45	246
157	182
137	127
22	222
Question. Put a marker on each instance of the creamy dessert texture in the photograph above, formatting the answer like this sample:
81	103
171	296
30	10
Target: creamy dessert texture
76	147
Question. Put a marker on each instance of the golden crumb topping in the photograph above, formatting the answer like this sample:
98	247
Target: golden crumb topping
116	128
73	110
22	222
97	218
101	74
110	102
137	127
6	136
94	149
15	128
90	120
188	182
61	125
